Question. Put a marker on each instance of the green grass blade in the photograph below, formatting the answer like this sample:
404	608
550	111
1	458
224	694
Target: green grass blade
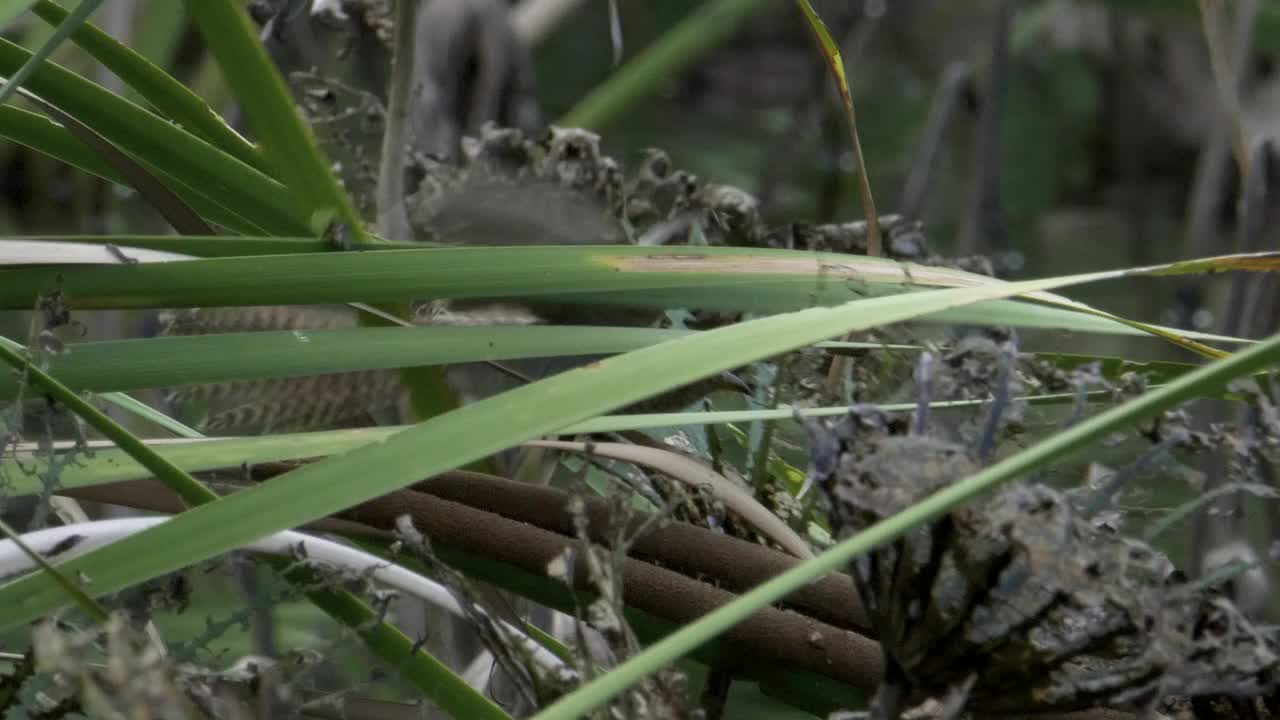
287	142
47	137
601	690
831	53
110	465
651	421
830	49
150	414
289	146
435	679
1110	367
187	487
122	401
479	430
137	364
163	145
157	87
714	278
180	216
60	33
212	246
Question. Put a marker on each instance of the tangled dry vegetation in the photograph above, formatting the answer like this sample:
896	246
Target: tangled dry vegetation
1036	599
1055	595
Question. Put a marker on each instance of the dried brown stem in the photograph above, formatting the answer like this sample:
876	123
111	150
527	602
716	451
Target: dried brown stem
774	635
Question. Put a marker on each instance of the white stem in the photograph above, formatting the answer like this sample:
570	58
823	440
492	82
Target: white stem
103	532
46	252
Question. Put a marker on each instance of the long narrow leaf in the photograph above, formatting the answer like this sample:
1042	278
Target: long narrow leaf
109	465
181	360
150	414
601	690
163	145
436	680
707	277
831	53
287	142
60	33
1110	367
190	490
165	201
157	87
211	246
125	403
47	137
481	429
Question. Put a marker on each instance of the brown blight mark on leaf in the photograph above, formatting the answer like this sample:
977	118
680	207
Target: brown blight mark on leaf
1251	262
1269	263
860	268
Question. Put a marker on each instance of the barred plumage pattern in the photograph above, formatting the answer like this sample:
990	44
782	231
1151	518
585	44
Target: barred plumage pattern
512	190
260	318
278	404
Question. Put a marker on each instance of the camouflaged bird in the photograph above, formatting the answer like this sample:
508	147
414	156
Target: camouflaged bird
338	400
510	189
